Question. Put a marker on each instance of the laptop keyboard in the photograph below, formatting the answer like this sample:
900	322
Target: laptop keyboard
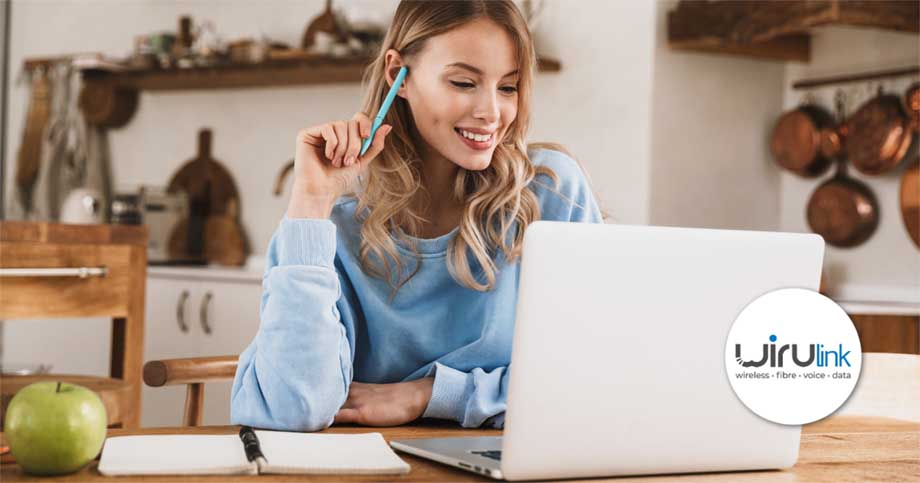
494	454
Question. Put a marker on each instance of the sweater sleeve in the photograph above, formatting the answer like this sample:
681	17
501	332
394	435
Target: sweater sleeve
478	398
295	373
470	398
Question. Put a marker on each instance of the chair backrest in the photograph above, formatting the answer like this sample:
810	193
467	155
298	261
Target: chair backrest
193	372
888	386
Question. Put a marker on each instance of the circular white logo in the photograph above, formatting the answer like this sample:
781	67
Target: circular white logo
793	356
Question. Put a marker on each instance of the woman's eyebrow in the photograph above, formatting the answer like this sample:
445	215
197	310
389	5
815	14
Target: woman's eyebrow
471	68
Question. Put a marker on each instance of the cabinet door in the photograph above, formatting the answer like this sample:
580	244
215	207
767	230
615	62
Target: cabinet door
171	332
228	317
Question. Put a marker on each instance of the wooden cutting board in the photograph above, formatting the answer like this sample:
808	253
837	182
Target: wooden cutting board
212	230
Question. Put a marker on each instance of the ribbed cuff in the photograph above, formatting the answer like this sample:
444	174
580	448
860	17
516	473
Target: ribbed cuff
306	241
448	395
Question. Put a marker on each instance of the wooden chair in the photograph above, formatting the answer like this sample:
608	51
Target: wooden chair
194	372
888	386
52	271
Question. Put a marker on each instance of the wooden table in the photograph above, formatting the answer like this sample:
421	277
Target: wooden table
838	449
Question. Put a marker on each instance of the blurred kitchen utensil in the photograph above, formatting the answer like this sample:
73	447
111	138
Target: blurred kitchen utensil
83	206
843	210
224	239
879	134
161	211
30	151
211	192
910	200
181	49
126	209
105	105
326	23
796	140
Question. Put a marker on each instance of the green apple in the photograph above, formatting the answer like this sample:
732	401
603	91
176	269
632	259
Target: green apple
55	428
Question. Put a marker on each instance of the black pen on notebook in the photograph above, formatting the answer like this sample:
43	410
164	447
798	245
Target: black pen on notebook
251	446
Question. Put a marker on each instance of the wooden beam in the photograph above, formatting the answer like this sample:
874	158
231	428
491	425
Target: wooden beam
778	29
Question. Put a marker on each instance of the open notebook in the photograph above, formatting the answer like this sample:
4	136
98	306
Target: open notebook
283	452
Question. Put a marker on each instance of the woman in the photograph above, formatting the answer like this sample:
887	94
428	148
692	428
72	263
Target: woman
399	268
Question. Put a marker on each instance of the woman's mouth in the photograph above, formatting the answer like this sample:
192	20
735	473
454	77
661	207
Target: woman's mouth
476	141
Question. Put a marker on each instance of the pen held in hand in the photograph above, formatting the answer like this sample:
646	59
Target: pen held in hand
378	120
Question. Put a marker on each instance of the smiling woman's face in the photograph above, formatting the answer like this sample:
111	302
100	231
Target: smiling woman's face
463	84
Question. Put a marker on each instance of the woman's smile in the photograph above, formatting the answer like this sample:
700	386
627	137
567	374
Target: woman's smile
478	140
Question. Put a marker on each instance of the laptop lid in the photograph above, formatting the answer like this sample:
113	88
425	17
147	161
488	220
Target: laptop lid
618	352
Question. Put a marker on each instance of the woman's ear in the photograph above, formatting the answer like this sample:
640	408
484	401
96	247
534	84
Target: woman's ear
394	62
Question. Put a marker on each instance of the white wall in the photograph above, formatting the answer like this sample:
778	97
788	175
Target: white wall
598	105
887	266
710	163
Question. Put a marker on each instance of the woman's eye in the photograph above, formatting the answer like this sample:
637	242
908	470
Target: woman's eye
468	85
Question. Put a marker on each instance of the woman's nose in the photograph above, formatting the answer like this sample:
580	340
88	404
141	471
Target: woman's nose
487	108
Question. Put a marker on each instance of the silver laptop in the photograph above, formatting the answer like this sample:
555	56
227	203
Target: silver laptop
617	366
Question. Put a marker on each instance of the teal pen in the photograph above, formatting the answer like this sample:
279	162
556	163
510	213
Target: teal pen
378	120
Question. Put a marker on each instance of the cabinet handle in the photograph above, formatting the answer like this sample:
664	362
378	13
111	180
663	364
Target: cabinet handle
204	312
180	311
81	272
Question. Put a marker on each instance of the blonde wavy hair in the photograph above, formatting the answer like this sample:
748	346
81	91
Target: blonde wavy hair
493	198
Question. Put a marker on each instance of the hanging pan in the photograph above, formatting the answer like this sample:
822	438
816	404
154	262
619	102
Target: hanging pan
879	134
796	139
843	210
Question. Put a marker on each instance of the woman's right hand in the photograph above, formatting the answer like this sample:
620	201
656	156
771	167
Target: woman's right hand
326	163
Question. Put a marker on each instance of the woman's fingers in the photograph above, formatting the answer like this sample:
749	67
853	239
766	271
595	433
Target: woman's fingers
331	139
364	123
341	132
376	145
354	143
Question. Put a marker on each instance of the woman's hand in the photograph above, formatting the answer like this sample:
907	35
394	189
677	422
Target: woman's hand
326	163
385	404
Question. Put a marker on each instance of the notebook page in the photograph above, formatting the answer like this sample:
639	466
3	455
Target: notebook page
174	454
303	453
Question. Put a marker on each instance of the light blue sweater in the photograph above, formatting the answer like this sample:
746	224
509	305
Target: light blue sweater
325	323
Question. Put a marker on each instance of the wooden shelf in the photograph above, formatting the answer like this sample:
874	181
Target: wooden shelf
778	29
109	98
288	72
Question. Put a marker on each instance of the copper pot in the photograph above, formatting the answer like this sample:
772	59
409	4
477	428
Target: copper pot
796	140
910	200
843	210
879	135
912	106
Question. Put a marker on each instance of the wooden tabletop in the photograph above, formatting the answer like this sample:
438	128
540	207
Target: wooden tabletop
837	449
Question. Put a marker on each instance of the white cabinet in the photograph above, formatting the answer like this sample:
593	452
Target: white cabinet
195	313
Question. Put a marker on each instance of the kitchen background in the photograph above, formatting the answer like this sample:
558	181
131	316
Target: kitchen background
669	137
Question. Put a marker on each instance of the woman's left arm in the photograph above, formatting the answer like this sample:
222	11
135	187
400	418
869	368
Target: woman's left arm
470	398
